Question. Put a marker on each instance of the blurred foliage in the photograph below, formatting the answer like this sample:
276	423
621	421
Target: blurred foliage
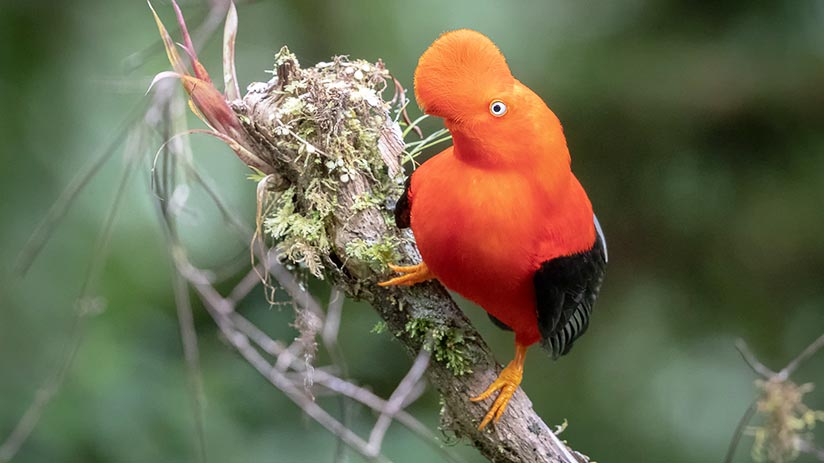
697	130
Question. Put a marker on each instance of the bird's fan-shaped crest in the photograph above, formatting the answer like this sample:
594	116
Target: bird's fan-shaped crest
458	70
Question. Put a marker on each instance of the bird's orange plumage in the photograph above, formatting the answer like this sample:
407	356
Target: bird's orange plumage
499	217
489	210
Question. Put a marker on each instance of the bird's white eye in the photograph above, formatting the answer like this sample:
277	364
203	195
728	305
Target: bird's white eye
497	108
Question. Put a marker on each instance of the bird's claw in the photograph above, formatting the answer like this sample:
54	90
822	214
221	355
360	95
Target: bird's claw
412	274
507	382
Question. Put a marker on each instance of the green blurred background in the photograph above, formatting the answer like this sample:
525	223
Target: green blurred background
697	132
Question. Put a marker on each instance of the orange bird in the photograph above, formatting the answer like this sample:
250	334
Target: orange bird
499	217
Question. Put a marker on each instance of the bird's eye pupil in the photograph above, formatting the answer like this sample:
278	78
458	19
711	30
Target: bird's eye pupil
497	108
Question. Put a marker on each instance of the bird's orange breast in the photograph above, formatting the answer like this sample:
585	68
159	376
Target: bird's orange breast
484	232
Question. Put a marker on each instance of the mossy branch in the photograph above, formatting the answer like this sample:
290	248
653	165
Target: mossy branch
336	154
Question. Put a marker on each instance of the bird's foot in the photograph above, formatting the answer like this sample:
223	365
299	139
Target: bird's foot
412	274
507	382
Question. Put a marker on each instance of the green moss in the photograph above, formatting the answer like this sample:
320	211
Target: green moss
448	344
379	327
327	122
376	255
301	237
367	200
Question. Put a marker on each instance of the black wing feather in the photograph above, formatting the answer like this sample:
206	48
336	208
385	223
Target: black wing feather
403	205
566	289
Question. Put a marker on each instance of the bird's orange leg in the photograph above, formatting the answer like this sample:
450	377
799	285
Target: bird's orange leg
411	275
507	382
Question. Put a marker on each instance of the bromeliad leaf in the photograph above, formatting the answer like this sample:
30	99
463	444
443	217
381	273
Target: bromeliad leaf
205	100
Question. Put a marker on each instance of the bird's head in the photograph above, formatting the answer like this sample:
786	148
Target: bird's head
463	78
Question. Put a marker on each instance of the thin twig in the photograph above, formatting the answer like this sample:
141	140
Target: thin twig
811	449
44	230
325	379
329	336
289	355
44	394
86	306
753	362
188	336
185	317
340	386
219	308
739	431
803	356
244	287
397	399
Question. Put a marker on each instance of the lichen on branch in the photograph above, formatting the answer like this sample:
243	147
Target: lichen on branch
326	121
